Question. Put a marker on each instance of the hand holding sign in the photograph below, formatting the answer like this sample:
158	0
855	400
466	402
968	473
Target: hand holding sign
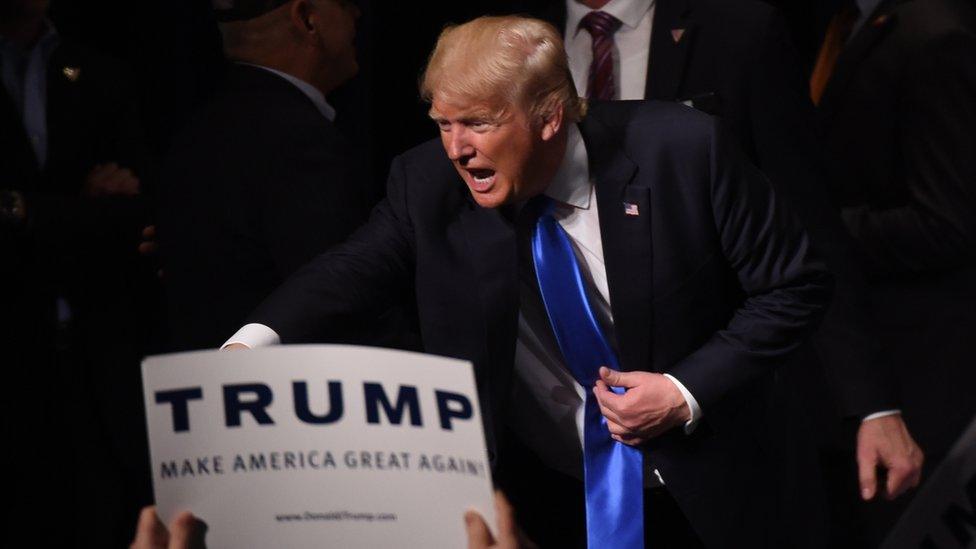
185	532
188	532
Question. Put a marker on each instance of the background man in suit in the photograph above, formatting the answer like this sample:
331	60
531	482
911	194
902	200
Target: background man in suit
696	294
78	302
735	60
895	84
261	180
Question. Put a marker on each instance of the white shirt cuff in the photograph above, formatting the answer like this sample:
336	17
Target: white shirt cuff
254	335
696	412
882	413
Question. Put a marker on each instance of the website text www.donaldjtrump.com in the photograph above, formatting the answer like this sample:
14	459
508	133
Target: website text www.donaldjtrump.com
336	516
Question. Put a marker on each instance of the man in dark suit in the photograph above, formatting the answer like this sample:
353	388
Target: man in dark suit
736	60
698	283
261	180
895	84
77	299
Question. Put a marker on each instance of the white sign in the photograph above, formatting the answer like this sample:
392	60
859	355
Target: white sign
318	446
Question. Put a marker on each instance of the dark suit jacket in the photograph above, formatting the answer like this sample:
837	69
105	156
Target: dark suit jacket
735	60
713	282
898	117
82	249
259	183
92	119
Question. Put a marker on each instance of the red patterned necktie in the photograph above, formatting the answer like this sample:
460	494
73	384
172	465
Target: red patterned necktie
601	26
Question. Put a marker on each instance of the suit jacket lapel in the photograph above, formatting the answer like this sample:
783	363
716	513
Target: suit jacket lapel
625	230
493	254
877	26
672	37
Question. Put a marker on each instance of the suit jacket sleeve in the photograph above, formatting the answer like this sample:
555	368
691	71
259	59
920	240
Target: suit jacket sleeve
786	287
787	151
935	228
358	276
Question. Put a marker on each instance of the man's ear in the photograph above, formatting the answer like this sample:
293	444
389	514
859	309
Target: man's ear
301	15
552	121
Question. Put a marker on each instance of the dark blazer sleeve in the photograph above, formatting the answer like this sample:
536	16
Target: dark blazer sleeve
361	275
935	228
786	287
782	126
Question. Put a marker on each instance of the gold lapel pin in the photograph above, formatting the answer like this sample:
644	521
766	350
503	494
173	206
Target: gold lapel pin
71	73
880	20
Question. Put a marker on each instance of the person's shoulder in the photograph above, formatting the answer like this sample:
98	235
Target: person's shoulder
662	117
427	174
925	21
746	17
653	131
934	38
258	107
266	95
428	157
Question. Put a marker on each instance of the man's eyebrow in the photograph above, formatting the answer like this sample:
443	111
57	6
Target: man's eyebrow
481	116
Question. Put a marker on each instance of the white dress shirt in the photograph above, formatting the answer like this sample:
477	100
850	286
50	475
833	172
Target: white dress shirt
632	45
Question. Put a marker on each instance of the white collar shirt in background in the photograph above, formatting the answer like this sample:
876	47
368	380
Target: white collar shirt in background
632	45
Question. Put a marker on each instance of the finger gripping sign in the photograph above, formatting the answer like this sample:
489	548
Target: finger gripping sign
318	446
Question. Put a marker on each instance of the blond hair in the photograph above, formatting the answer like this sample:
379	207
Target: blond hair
504	61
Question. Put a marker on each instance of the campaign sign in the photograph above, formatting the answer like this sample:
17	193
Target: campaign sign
318	446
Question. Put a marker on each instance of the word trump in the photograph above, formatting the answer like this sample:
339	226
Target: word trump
255	398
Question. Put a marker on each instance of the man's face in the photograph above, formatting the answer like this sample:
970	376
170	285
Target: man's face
498	160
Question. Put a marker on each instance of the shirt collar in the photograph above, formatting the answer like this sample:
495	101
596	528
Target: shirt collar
313	93
629	12
571	184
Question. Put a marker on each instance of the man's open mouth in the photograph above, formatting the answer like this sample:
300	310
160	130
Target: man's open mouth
483	178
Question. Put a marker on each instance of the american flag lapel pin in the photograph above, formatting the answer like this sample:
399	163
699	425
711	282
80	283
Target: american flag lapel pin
631	209
71	73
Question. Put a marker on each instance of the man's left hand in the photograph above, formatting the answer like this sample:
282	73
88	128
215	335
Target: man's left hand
651	405
885	441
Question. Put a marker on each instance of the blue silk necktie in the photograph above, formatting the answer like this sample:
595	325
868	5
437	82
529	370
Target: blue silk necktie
613	472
